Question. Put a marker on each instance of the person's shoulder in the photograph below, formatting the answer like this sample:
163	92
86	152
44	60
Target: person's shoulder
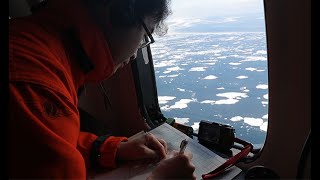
31	36
33	53
28	30
21	25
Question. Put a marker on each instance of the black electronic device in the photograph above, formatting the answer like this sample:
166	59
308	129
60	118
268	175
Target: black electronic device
216	135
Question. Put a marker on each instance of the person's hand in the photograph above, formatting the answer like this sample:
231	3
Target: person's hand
142	147
179	166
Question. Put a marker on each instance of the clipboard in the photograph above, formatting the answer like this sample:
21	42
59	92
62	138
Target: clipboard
204	159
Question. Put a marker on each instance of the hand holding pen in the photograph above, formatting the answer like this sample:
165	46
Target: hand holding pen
183	146
179	166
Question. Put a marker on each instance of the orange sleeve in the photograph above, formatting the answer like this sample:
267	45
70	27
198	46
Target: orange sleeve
107	150
44	125
44	136
43	133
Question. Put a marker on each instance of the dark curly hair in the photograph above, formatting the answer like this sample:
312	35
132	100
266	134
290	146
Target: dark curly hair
128	13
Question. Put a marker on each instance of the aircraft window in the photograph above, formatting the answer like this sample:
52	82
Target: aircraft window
212	65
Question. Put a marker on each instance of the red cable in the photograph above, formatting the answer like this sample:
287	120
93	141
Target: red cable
231	161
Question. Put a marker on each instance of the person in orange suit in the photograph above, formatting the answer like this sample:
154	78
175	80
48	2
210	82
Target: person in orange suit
52	53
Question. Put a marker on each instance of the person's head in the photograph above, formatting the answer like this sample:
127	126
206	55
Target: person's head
125	23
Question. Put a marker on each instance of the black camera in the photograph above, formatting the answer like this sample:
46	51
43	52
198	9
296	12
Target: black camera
216	135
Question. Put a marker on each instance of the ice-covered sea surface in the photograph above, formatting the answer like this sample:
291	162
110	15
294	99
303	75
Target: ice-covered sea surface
220	77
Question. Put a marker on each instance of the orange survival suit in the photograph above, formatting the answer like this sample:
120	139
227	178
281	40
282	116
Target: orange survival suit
51	54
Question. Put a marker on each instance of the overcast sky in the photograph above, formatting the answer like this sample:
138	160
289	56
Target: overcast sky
193	13
209	8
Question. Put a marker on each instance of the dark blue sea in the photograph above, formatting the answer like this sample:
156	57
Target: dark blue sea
219	77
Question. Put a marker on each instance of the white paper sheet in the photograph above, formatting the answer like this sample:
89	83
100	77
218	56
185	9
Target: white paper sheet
204	159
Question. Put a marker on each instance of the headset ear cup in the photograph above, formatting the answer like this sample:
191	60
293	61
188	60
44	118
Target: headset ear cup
122	13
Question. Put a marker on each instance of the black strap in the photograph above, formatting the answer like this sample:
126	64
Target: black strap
95	153
81	56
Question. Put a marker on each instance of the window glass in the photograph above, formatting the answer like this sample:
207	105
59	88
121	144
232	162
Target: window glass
212	65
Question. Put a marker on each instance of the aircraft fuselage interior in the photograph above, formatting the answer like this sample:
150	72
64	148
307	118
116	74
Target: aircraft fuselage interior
129	101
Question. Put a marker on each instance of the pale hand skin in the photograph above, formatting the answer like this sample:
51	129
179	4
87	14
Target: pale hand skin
142	147
179	166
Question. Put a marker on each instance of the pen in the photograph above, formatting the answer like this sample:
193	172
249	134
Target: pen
183	146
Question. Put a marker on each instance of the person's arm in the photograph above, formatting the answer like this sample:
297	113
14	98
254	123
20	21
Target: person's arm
43	134
94	141
101	155
46	125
